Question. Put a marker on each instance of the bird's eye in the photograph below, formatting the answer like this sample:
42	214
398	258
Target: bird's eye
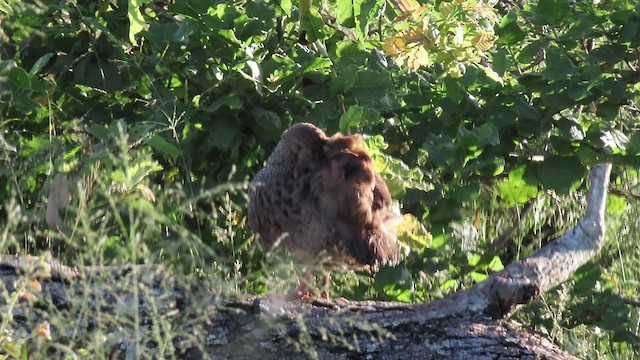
350	169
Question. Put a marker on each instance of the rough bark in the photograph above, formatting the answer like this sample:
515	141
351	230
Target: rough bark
143	309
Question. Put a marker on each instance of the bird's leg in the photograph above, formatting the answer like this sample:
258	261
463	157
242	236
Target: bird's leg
324	295
303	292
326	278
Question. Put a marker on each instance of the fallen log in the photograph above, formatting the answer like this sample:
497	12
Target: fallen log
144	311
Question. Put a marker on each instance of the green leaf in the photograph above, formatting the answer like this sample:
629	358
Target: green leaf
183	9
5	7
585	278
634	144
509	32
230	100
626	336
313	26
515	190
500	61
136	20
268	122
371	86
412	233
439	240
37	143
609	53
287	6
365	11
558	66
449	284
445	211
582	29
223	137
478	277
102	75
496	264
622	17
444	152
13	348
351	119
554	11
14	80
42	61
162	145
579	91
304	6
19	81
465	193
317	65
344	13
530	52
563	174
479	137
616	205
101	132
351	52
347	76
399	276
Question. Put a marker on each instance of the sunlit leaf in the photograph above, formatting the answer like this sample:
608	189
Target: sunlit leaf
412	233
394	46
351	119
478	277
313	25
13	348
616	205
5	7
483	42
344	13
514	190
407	6
136	20
496	264
287	6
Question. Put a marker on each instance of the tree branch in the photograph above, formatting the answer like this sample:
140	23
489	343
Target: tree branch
143	307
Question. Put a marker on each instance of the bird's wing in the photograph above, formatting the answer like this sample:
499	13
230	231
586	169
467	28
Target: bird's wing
323	193
350	193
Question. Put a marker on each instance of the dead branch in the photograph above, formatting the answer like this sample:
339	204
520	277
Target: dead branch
131	310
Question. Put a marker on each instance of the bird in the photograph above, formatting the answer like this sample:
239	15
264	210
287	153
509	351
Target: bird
319	196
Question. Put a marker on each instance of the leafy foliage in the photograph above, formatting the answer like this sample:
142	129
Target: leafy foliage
158	112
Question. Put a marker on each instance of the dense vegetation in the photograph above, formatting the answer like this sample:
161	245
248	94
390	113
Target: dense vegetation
483	118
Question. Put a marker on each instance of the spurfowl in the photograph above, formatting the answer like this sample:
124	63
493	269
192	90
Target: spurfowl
320	195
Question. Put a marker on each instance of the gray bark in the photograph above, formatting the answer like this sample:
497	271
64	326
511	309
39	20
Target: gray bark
142	311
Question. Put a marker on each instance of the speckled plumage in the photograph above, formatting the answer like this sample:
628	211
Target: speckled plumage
320	195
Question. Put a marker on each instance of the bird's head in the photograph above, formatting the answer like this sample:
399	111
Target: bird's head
304	136
302	140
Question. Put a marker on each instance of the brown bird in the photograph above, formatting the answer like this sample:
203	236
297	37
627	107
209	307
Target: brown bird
320	195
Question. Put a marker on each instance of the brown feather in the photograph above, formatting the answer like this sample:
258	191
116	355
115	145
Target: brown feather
321	194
